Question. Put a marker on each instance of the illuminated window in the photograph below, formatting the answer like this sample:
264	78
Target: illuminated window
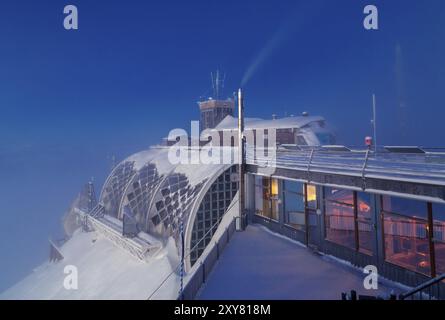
266	197
311	196
340	226
439	237
366	234
405	228
274	206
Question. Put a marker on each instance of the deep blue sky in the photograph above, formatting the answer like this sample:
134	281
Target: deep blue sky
135	69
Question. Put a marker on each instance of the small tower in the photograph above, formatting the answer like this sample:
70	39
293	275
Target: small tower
214	110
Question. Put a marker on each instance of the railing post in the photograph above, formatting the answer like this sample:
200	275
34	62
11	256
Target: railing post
365	163
431	240
311	155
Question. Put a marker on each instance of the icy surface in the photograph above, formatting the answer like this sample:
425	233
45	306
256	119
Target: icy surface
104	272
424	168
258	264
231	123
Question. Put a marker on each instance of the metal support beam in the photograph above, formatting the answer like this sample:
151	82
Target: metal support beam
431	240
241	163
423	191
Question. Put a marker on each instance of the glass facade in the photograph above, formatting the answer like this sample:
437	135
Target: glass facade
211	210
266	197
172	202
115	186
365	226
439	236
295	204
405	227
311	196
138	193
294	207
339	217
349	219
412	232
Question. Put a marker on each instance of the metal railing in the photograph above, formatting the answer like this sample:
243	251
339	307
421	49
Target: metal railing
428	167
429	290
215	246
137	247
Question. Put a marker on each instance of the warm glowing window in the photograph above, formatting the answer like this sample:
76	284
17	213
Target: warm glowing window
340	226
311	196
439	236
405	228
274	201
365	226
266	197
274	187
349	219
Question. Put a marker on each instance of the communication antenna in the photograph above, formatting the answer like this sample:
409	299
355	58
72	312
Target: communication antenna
217	83
213	83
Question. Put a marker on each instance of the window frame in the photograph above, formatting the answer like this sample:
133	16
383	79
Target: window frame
269	199
356	246
429	222
304	212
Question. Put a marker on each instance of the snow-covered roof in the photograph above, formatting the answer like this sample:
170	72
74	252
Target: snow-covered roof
154	192
231	123
104	272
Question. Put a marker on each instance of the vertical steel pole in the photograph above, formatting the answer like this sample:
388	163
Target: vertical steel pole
356	231
431	240
241	161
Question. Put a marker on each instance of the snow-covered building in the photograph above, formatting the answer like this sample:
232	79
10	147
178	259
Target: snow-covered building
159	225
303	130
152	213
148	194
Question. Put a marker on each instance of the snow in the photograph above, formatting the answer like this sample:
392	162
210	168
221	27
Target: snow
141	158
159	156
109	272
397	167
104	272
231	123
258	264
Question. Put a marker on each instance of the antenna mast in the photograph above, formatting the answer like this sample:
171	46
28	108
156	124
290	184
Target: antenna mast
217	84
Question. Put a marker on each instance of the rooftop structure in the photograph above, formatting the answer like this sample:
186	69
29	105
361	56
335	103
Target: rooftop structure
214	109
149	194
302	130
384	208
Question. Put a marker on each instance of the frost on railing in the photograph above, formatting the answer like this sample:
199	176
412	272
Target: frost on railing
135	246
199	272
427	167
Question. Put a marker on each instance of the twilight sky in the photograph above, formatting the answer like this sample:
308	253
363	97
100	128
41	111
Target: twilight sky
135	69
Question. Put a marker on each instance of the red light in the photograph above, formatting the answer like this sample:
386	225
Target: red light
368	141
